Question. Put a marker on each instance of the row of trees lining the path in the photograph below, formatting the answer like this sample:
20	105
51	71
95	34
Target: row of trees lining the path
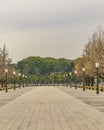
5	63
36	69
51	70
92	53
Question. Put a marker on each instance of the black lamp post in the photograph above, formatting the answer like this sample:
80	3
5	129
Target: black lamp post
23	79
83	70
6	72
66	78
76	79
97	85
70	79
14	74
19	80
26	80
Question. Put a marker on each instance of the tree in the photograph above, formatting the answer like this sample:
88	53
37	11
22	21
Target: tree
93	52
44	67
4	63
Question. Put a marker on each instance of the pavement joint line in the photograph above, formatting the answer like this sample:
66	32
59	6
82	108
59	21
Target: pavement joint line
49	108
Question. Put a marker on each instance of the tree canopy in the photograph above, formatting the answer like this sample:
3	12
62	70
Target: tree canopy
44	66
93	53
45	69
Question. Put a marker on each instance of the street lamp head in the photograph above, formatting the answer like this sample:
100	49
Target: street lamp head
70	73
19	74
66	75
14	73
25	76
97	64
6	71
83	69
75	72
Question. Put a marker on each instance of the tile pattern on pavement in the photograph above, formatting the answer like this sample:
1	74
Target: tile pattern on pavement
6	97
48	108
89	96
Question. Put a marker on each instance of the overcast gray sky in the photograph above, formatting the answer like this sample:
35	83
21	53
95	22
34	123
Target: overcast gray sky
48	28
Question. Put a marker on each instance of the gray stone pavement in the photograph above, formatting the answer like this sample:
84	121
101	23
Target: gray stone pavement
6	97
89	96
48	108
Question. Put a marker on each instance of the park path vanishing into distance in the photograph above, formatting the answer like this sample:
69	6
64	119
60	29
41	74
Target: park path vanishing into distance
49	108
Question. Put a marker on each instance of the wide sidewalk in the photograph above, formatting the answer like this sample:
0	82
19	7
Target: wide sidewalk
48	108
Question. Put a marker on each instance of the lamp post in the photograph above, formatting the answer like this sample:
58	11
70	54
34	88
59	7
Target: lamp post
83	70
23	79
76	79
14	74
26	80
97	85
70	79
19	80
66	78
6	72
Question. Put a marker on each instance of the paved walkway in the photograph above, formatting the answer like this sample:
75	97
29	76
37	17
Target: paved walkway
89	96
6	97
48	108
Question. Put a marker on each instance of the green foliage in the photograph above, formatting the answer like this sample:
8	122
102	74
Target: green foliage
44	66
45	69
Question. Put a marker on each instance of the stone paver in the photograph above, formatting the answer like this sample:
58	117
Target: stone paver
48	108
89	96
6	97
